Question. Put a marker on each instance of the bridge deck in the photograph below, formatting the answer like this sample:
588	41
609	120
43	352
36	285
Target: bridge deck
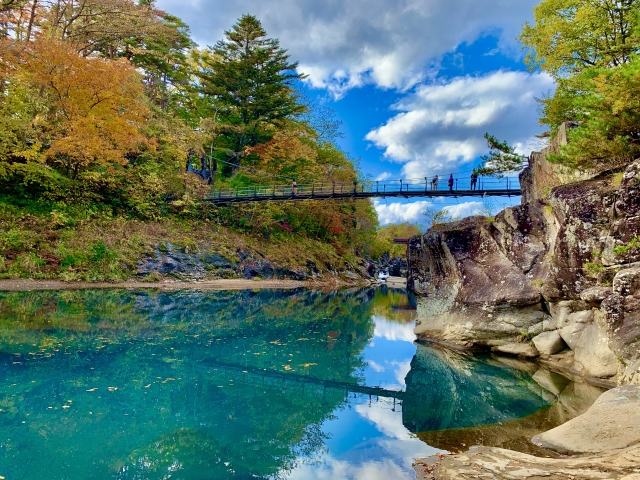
505	187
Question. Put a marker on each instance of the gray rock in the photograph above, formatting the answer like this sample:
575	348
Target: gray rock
589	340
501	464
596	295
525	350
536	329
627	281
610	424
549	343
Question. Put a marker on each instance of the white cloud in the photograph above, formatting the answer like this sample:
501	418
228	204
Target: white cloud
376	367
397	212
401	370
331	468
383	176
466	209
342	44
393	331
441	126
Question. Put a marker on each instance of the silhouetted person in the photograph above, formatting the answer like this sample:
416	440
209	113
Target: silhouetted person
450	182
474	180
434	183
294	187
189	155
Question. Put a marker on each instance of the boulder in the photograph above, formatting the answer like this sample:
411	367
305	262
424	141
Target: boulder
610	424
595	295
627	281
549	343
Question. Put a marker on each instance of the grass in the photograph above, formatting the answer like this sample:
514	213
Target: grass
71	244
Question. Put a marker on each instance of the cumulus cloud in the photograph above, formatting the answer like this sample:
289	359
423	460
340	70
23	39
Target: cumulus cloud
440	127
346	43
392	331
383	176
466	209
397	212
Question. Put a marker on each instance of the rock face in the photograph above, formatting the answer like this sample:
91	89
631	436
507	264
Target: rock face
562	269
196	263
610	424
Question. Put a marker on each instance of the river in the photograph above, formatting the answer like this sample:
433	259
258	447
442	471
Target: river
294	384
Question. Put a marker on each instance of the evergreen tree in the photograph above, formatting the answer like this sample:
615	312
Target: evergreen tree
251	82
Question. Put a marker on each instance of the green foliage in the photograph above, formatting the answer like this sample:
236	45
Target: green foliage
501	160
591	48
571	36
593	268
252	81
73	169
383	242
632	246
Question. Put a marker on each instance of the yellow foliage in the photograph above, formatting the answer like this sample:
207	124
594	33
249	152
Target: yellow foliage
97	106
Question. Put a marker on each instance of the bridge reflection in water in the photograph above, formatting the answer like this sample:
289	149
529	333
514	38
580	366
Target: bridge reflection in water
424	187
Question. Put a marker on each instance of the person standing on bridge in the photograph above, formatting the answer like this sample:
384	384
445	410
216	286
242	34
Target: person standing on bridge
294	187
434	183
450	182
474	180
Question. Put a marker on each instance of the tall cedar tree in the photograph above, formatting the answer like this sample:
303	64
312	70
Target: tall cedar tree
251	81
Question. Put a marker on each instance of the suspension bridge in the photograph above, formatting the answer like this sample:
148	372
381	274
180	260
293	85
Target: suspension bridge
423	187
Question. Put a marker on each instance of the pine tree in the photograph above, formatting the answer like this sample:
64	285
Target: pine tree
251	82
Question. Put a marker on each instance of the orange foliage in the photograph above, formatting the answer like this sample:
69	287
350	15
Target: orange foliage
97	105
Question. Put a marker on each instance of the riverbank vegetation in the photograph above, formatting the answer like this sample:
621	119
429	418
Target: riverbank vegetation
114	125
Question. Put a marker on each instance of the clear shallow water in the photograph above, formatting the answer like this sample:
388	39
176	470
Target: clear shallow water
213	385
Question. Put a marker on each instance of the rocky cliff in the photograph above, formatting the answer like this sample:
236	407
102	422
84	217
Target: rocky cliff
557	277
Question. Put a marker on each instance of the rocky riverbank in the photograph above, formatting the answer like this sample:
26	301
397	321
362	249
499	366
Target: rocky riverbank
604	443
556	278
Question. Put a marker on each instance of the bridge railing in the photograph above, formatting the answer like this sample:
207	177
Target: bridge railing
328	189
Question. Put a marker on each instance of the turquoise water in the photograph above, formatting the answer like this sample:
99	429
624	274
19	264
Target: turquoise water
117	384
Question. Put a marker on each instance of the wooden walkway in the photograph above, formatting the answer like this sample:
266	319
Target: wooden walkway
491	187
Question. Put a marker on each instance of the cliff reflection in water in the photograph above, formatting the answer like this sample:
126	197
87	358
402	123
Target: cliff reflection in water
449	390
206	385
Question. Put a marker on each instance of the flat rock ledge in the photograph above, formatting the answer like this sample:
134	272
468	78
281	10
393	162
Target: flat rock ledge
501	464
606	436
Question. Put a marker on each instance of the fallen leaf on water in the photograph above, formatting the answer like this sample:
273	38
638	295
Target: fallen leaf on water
66	406
92	390
111	389
306	365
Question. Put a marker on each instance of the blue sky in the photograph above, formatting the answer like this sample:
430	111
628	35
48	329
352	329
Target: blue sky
415	82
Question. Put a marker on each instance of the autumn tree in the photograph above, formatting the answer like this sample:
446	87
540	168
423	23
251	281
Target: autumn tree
591	48
251	80
96	107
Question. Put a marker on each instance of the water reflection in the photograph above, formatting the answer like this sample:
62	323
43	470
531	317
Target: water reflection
201	385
